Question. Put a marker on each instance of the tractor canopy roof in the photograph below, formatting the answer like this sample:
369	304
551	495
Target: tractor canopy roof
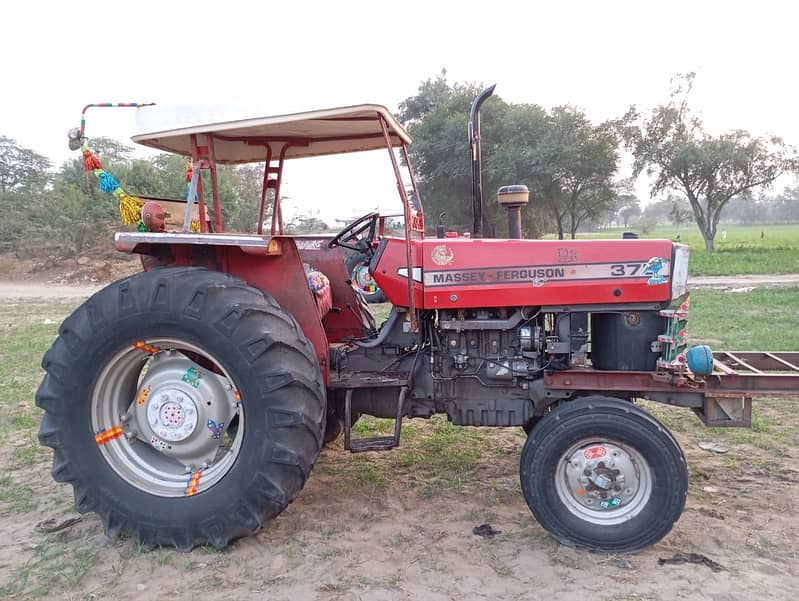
244	140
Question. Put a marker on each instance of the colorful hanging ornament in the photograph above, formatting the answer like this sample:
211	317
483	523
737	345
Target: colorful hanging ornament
129	206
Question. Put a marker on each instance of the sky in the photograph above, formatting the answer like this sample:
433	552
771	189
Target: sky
599	56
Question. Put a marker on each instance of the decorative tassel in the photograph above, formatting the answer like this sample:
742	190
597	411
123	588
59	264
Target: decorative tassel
194	226
129	208
107	182
188	173
90	160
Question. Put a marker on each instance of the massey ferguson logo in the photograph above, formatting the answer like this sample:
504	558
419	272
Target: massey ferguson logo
442	255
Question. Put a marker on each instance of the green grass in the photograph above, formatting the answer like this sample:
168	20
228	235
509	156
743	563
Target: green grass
765	319
26	332
743	252
450	455
54	565
19	498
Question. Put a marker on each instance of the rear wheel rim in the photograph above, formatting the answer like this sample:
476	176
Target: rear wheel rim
604	482
116	393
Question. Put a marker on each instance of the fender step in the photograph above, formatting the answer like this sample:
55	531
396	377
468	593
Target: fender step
378	443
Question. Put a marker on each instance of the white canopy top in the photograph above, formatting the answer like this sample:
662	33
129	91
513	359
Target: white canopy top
244	140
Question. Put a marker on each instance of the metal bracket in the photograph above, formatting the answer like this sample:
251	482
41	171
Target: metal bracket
378	443
733	411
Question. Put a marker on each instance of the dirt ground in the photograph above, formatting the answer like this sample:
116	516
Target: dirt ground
365	528
398	525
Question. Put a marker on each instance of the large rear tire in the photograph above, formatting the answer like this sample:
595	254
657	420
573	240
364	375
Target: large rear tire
185	407
602	474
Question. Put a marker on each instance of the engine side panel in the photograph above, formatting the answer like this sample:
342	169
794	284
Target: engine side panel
464	273
389	268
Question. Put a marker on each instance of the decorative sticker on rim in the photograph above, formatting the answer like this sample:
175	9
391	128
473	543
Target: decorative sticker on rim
103	436
610	503
216	429
142	396
142	346
595	453
442	255
193	483
159	444
653	268
192	377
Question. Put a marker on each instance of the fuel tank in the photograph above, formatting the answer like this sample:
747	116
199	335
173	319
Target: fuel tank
456	273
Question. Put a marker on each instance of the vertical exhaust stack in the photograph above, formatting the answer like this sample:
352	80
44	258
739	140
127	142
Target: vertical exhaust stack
477	170
514	198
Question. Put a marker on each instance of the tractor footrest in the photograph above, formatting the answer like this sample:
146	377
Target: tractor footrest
379	443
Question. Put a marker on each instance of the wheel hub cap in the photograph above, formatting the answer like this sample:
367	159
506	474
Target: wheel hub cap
603	482
172	415
182	409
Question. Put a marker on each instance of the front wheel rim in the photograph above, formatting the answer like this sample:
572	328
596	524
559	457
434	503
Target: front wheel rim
604	482
188	415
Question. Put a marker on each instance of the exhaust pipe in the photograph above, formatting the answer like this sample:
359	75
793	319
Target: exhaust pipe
477	171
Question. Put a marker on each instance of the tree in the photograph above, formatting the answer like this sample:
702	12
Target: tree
241	213
679	212
566	162
436	118
431	93
306	223
108	149
789	205
629	208
671	145
21	169
574	164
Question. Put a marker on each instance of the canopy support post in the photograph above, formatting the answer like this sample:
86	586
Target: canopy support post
408	225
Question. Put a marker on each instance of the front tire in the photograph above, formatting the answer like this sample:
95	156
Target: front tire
600	473
185	407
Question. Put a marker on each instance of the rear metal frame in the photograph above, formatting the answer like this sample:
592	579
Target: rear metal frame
723	398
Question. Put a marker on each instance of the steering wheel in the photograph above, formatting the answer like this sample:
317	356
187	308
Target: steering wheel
353	230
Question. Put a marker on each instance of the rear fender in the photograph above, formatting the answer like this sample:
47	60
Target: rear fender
271	264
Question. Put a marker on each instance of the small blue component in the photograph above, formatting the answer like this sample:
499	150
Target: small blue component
700	360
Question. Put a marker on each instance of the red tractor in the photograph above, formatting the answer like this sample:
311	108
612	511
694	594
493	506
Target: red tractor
187	404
